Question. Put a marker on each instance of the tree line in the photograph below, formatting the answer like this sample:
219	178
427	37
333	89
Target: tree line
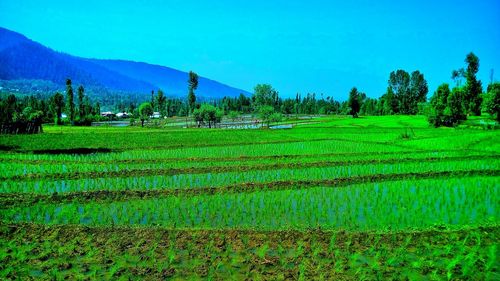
26	115
406	94
451	107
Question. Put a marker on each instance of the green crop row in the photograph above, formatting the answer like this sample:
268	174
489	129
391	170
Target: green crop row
263	149
186	181
372	206
44	170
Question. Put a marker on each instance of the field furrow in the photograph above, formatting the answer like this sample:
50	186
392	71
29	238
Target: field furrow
116	252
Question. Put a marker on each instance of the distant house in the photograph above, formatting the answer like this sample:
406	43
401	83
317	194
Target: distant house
122	115
155	115
108	114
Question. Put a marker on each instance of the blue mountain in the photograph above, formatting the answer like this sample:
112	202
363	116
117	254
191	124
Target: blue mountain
24	59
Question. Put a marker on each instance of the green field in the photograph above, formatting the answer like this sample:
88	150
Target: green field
385	198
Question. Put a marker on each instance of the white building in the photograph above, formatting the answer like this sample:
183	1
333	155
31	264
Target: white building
122	115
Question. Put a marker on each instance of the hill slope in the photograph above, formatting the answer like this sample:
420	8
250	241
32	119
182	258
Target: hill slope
24	59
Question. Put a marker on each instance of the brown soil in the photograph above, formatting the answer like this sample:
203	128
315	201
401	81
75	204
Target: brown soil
156	253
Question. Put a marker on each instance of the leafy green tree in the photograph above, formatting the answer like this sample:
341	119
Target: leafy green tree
153	104
276	117
81	106
145	111
424	108
455	110
447	107
297	106
57	105
233	115
207	114
399	82
368	107
264	95
439	102
354	102
70	104
198	116
3	111
97	108
265	113
244	104
11	107
408	91
192	86
288	106
8	108
219	114
388	103
87	106
492	101
418	91
161	100
29	120
32	115
13	120
474	88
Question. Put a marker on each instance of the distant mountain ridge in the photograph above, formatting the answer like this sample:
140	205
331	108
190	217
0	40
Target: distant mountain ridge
24	59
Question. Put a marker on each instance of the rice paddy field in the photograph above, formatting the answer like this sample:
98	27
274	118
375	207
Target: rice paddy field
373	198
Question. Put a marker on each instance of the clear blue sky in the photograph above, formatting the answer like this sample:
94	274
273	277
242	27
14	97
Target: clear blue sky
297	46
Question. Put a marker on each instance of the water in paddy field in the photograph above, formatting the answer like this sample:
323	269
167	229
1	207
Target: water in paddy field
324	207
254	126
288	126
111	124
240	126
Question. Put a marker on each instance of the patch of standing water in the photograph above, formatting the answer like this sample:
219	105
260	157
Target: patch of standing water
286	126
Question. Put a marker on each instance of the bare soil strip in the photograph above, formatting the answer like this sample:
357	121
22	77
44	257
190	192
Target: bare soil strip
67	231
263	255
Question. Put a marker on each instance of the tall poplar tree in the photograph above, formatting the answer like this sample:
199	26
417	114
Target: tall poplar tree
192	86
81	105
70	104
473	88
